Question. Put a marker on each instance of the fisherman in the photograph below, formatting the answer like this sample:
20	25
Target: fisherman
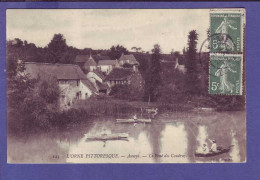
205	148
135	117
213	147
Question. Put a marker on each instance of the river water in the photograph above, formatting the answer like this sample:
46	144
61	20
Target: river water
170	138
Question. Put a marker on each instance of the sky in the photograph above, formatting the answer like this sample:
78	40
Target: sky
102	28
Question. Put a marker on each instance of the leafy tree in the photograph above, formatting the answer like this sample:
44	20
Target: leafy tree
192	81
30	102
56	48
116	51
153	75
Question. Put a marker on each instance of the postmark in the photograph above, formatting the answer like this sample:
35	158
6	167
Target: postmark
226	30
225	74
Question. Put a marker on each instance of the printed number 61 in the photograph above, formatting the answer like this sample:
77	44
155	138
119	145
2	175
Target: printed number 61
214	86
215	44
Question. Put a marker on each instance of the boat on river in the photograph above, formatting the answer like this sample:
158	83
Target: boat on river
212	153
131	120
106	137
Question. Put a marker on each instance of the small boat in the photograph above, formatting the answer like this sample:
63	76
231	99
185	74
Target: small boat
151	110
133	120
106	137
210	154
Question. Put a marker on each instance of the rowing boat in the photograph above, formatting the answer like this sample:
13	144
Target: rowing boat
211	153
105	137
133	120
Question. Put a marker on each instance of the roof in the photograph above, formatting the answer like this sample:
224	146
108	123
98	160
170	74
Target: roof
102	86
85	58
89	84
98	58
106	62
81	58
99	74
60	71
119	74
90	62
129	57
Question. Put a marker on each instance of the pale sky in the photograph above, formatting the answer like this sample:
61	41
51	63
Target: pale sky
102	28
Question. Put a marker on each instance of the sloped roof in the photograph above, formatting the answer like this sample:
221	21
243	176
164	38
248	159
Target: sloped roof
81	58
90	62
106	62
129	57
89	84
98	58
99	74
102	86
119	74
60	71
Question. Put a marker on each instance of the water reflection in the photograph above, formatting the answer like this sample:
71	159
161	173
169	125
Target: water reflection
170	139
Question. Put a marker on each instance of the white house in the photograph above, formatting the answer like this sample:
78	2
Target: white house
98	80
106	66
180	65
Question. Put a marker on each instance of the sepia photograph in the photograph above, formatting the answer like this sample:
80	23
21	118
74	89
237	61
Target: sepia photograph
126	86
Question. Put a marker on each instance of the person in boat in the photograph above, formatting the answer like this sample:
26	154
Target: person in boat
213	147
135	117
205	148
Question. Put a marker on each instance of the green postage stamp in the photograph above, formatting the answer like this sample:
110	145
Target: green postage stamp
226	30
225	74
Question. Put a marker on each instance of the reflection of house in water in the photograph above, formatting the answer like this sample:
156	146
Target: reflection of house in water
72	82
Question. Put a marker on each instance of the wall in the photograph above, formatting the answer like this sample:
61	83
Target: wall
93	75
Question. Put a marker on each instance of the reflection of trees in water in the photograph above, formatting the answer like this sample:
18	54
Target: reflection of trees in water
154	136
73	134
192	133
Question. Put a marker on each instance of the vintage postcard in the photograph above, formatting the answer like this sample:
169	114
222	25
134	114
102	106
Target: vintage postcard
126	85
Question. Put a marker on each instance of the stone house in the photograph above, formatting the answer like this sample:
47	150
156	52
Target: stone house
72	81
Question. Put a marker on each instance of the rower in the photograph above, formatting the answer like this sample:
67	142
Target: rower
205	148
135	117
213	146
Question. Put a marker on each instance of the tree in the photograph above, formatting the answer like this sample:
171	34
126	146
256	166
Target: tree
30	102
192	81
56	48
153	76
116	51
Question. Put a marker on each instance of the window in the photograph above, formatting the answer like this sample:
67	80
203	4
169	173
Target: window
77	83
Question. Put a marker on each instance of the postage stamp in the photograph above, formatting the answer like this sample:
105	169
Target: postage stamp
225	76
226	30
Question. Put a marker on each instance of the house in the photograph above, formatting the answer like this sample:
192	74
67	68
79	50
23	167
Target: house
128	60
86	62
71	80
180	64
121	76
97	78
89	62
97	75
106	66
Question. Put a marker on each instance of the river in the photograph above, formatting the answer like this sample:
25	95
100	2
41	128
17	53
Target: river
170	138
